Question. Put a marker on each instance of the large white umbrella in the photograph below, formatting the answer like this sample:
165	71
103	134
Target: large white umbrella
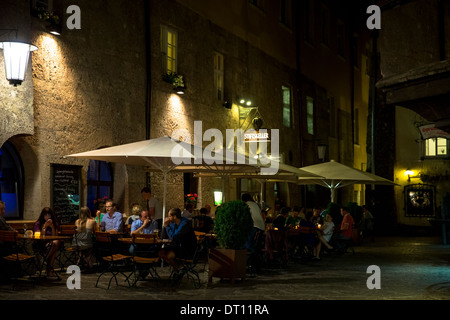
166	154
285	173
337	175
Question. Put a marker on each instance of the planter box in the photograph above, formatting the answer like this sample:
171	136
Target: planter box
227	264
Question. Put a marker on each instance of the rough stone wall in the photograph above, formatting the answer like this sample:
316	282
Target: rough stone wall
248	73
409	37
89	92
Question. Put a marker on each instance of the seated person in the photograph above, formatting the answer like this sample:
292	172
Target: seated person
184	242
112	220
188	212
48	225
295	218
136	210
309	234
86	227
203	222
143	225
3	224
280	221
346	231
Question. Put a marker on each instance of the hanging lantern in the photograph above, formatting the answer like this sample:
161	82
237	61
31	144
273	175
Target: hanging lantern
16	56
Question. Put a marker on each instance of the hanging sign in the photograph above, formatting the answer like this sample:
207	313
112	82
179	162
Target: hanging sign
257	136
430	131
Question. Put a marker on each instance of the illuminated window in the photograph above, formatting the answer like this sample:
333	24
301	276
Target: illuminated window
310	114
309	22
169	39
286	13
286	106
218	75
435	147
11	181
325	26
258	3
99	182
340	38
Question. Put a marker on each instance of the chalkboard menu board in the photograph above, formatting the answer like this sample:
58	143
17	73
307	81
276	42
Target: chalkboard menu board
65	192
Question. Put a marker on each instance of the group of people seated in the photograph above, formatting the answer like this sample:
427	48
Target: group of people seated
316	228
312	230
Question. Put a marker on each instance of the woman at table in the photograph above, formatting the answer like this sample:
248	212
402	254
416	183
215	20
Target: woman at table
86	227
48	225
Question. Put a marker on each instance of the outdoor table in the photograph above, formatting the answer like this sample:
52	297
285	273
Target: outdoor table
44	250
145	241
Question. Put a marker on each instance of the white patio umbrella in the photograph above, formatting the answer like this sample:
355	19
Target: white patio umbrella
285	173
337	175
165	155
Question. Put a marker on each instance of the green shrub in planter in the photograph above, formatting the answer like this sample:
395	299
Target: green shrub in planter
233	224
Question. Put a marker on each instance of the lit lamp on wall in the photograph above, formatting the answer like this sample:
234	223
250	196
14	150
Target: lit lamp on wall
218	198
179	90
16	56
410	174
321	150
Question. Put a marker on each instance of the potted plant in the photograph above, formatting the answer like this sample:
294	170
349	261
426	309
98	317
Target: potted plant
232	226
174	79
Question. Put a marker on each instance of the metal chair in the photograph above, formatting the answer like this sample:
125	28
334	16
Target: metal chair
112	261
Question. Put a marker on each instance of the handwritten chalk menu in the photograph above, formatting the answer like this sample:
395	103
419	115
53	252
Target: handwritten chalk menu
65	192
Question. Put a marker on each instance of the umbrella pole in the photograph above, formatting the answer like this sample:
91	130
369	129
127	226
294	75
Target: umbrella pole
164	196
333	191
164	206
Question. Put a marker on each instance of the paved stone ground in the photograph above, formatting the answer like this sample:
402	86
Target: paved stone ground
411	268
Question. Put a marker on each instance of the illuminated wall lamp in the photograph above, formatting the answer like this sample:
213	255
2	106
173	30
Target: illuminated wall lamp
16	55
179	90
321	151
410	174
218	198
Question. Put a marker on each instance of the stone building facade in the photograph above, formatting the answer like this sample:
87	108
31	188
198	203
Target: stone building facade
102	85
414	92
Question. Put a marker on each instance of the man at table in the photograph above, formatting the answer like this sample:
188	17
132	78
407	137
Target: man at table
143	225
3	224
152	204
346	231
184	242
112	220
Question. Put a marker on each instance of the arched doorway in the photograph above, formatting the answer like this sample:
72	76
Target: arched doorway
11	181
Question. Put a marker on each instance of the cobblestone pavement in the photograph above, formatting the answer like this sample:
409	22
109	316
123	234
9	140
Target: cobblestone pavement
411	268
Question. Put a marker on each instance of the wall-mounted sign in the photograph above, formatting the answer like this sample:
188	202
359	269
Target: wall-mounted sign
65	192
430	131
257	136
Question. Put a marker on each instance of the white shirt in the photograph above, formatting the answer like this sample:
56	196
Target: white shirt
187	214
258	221
328	229
154	203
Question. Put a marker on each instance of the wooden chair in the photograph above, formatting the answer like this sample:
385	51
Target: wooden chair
113	262
276	247
143	262
188	265
68	254
18	263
